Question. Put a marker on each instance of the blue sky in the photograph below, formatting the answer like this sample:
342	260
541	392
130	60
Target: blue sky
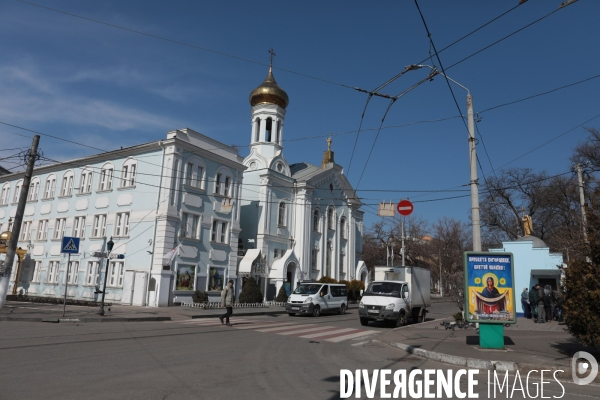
107	88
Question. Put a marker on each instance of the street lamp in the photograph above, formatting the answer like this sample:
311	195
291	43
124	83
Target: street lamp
109	247
472	159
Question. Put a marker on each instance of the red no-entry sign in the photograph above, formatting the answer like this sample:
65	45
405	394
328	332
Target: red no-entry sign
405	207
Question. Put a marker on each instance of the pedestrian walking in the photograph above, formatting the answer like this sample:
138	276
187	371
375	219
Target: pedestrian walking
533	303
540	304
227	299
525	303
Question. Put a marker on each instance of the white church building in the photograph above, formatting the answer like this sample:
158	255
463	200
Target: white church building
228	217
299	221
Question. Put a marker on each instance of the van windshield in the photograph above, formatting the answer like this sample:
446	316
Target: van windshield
383	289
308	288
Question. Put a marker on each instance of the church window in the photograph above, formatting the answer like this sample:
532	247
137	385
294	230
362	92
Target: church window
256	129
316	220
330	219
276	253
313	261
278	133
281	219
343	228
268	129
328	257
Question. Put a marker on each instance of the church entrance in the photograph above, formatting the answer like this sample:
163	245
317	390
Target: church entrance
290	277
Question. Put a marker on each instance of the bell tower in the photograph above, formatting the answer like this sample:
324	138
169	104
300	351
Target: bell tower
269	103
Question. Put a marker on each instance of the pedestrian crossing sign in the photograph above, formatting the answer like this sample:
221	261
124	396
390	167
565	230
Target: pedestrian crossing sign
70	245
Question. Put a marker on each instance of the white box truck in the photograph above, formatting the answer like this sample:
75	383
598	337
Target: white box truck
396	294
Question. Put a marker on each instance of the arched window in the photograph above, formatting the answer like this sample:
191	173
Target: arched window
268	129
343	228
256	129
128	173
281	217
278	133
316	220
34	188
330	219
223	182
49	186
4	195
328	258
106	177
17	192
66	187
85	182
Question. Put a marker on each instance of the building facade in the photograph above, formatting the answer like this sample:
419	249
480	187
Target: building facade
299	221
180	193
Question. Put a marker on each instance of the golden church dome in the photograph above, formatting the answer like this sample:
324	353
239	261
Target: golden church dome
269	92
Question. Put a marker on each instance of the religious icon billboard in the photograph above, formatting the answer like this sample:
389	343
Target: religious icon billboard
489	288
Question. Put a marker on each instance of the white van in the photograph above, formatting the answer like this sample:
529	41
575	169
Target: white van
403	293
314	298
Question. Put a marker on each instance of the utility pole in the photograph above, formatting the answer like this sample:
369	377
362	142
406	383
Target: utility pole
474	183
582	201
16	230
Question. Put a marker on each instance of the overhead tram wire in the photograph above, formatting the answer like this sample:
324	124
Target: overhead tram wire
183	43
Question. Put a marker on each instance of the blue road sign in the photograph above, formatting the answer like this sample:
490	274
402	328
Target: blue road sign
70	245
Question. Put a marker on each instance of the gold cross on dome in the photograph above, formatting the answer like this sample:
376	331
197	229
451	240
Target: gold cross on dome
272	52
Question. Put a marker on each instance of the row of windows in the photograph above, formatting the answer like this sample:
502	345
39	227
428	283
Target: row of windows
98	227
330	222
92	273
105	182
328	260
191	227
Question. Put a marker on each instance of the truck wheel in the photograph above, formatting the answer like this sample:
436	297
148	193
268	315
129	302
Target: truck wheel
343	309
316	311
291	314
364	321
401	320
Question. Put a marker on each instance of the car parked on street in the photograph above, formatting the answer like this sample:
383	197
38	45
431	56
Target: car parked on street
314	298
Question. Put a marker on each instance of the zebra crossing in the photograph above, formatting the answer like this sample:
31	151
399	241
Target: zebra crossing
325	333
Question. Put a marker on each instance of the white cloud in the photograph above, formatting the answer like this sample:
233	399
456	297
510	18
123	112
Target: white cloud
28	95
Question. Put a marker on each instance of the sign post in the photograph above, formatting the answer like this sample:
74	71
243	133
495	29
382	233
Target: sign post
490	295
70	245
405	208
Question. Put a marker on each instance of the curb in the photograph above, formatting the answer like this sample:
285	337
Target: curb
93	319
457	360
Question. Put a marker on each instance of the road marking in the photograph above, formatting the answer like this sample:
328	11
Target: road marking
281	328
361	343
350	336
315	335
319	328
264	325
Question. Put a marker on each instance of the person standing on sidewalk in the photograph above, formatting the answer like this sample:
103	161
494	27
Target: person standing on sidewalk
533	302
227	299
540	304
525	303
548	302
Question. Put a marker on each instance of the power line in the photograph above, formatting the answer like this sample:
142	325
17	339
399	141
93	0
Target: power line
184	44
540	94
504	38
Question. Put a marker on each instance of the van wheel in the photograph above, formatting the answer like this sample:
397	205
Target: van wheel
401	320
316	311
364	321
343	309
291	314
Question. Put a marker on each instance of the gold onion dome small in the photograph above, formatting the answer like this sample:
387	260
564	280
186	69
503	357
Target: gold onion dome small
269	92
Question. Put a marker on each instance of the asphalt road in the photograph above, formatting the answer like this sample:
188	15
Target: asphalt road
277	357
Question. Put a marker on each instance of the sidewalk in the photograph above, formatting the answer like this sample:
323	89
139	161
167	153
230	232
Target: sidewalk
528	346
37	312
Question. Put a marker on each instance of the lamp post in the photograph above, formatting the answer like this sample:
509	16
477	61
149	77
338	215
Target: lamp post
472	158
109	247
